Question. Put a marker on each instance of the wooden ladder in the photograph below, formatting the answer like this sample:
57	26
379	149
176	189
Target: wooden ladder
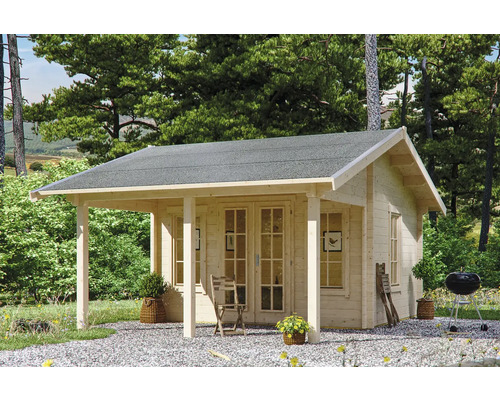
384	290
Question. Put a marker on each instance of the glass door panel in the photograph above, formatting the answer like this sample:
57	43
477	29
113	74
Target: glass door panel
235	253
272	253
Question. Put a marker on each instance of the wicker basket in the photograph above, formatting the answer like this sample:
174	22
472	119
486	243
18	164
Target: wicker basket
425	309
297	338
153	311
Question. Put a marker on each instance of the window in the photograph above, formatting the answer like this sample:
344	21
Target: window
395	223
332	251
235	250
178	250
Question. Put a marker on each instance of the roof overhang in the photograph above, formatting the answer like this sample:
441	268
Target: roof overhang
397	145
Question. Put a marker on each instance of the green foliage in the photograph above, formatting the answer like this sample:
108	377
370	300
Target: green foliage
62	318
9	161
293	324
152	285
450	247
36	166
38	242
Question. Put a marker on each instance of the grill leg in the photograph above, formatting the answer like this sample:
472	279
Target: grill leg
455	304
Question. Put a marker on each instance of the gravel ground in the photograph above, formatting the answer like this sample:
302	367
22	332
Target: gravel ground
413	343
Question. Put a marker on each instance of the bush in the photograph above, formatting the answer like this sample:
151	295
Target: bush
36	166
446	249
152	285
9	161
38	246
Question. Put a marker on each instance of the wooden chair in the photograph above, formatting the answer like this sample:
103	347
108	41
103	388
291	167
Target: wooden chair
225	297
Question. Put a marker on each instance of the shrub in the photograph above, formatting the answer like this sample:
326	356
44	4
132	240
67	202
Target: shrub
446	249
152	285
9	161
36	166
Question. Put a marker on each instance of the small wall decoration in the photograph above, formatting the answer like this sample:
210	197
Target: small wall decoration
332	241
229	240
197	239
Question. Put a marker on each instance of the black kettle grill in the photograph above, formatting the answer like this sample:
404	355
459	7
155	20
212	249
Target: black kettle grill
463	284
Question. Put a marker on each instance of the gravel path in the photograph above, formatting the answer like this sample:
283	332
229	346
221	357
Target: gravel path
415	343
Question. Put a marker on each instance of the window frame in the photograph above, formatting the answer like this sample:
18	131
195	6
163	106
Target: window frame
345	215
394	236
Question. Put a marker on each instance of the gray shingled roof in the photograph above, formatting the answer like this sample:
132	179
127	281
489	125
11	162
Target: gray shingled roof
294	157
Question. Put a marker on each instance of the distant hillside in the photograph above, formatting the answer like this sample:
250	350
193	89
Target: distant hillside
34	145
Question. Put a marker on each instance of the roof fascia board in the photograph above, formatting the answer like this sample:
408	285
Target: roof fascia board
425	174
365	159
197	190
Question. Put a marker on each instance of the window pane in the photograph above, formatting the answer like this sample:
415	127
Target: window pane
277	298
241	246
180	272
335	222
266	246
242	294
323	275
265	298
230	220
277	246
241	221
278	272
335	275
323	225
266	221
241	272
229	269
278	220
265	272
198	274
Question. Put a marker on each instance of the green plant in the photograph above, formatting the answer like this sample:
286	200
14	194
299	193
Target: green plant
293	324
153	285
36	166
9	161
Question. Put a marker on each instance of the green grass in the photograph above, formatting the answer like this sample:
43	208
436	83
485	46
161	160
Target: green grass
63	319
487	300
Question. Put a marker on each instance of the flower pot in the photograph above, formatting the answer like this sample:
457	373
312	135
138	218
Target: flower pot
425	309
297	338
152	311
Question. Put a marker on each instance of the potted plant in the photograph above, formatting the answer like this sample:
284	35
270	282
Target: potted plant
428	270
294	329
152	288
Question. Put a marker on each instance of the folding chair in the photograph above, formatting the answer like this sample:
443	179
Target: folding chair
225	297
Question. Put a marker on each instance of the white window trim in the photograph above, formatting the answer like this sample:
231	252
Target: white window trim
394	212
344	291
201	214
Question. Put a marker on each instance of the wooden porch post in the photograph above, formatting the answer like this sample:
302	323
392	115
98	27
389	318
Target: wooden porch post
155	243
313	268
189	266
82	266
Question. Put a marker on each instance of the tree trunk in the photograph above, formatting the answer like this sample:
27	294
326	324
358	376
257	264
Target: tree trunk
2	125
428	127
372	85
17	107
488	185
405	95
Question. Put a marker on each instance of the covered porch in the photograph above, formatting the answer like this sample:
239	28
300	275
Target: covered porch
188	205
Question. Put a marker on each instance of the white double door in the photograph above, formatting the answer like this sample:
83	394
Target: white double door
256	252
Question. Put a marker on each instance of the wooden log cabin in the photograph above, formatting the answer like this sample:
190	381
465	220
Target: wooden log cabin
299	222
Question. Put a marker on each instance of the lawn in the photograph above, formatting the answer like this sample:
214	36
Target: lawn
63	320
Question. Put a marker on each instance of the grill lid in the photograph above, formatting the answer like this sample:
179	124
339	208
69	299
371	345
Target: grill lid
463	283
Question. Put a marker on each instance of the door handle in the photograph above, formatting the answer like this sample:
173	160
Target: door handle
257	260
